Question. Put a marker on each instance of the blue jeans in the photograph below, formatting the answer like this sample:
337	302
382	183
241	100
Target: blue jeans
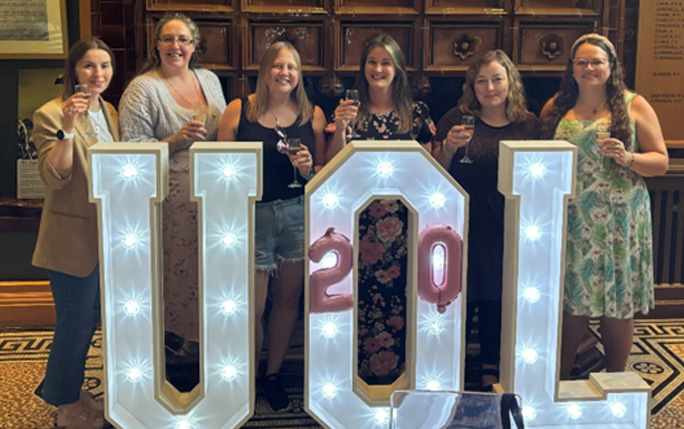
279	232
77	304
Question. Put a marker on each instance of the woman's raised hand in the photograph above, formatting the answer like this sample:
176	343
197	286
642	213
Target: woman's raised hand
345	113
192	131
615	148
72	107
303	161
456	137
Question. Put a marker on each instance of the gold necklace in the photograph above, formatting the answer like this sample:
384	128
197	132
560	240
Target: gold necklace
194	84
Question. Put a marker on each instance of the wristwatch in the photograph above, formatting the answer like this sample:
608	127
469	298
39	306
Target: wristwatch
61	135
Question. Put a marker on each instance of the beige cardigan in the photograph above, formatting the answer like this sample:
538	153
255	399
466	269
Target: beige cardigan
68	237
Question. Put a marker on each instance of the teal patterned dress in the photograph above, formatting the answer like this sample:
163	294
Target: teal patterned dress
609	257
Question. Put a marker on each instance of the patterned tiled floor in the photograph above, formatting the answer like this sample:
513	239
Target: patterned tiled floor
657	355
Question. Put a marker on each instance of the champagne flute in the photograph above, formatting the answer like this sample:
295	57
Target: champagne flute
468	124
200	112
85	90
293	148
602	133
353	94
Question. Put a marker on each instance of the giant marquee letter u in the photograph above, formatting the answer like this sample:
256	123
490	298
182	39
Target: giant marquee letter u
129	182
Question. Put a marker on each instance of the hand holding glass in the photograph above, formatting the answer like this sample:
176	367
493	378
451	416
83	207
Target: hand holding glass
200	112
83	89
468	124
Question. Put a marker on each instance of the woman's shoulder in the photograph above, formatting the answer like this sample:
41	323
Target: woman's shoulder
144	82
52	106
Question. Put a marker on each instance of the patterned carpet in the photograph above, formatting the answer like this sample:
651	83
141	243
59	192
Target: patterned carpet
657	355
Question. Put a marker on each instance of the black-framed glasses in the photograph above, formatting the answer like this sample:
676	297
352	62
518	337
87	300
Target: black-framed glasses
583	63
182	40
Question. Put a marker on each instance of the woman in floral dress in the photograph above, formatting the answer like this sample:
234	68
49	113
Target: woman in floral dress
609	258
386	112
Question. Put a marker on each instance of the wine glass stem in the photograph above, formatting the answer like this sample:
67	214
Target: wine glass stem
295	174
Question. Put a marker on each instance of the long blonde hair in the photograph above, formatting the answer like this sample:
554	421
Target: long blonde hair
259	106
516	106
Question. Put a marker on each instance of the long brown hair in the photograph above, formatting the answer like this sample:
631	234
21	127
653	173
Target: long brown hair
566	97
76	53
154	60
516	106
260	104
401	90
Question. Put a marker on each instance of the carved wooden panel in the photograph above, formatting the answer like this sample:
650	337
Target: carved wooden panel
309	37
558	6
192	5
454	46
547	47
285	6
219	39
378	7
464	6
351	35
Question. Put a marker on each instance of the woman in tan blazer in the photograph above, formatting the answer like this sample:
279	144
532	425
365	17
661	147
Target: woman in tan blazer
67	239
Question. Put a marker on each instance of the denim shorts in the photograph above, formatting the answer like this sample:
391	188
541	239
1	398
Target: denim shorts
279	232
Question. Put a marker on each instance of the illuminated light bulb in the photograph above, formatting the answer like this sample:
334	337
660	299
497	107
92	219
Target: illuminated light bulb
537	170
381	416
129	172
330	201
434	324
131	307
531	294
329	390
329	260
228	171
130	240
329	330
618	409
228	307
530	356
533	232
385	169
529	413
437	200
574	411
229	372
228	240
434	385
183	424
133	374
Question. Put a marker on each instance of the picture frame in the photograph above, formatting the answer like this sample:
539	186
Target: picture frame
33	29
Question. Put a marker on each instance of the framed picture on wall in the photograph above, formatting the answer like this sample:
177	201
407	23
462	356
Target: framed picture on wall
33	29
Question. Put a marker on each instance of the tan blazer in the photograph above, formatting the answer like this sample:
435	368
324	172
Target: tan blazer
67	239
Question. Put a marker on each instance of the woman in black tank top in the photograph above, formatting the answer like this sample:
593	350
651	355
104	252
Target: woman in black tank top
276	113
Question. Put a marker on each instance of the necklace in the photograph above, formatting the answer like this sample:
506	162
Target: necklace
595	109
194	84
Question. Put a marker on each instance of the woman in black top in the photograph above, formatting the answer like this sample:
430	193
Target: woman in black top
278	111
494	95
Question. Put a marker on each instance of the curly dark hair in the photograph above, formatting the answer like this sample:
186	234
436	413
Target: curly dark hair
566	97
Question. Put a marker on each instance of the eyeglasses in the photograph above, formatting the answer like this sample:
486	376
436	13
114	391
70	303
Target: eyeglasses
582	63
182	40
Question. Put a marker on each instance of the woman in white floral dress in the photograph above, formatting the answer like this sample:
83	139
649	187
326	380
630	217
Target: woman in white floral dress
609	258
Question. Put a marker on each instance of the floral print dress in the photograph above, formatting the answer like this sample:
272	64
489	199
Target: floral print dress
609	251
383	259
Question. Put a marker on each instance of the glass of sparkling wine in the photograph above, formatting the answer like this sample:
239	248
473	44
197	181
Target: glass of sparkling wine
85	90
353	94
602	133
468	124
200	113
293	148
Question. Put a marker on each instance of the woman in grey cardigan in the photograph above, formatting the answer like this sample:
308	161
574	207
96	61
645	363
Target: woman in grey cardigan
173	100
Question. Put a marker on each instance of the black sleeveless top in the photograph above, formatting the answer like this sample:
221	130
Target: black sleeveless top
277	168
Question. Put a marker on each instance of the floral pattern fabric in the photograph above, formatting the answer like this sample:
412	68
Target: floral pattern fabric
384	126
609	251
382	292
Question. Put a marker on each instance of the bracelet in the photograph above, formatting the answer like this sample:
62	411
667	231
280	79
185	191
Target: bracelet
309	176
443	145
631	162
